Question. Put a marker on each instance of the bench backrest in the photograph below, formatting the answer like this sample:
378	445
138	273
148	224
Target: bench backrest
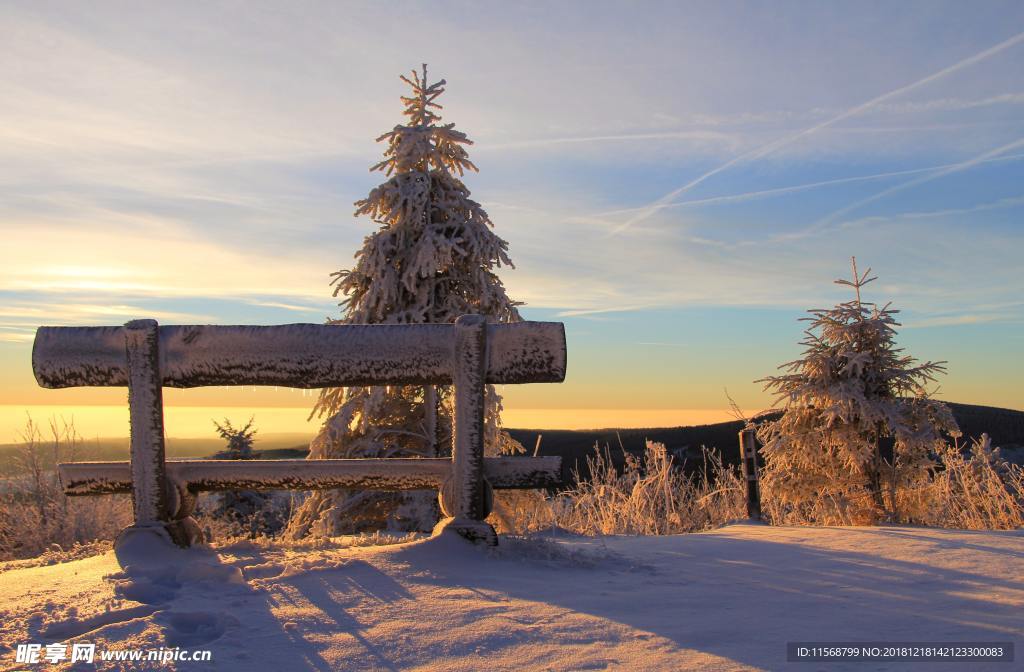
299	355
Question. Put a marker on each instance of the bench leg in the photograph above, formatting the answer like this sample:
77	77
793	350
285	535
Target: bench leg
150	489
464	499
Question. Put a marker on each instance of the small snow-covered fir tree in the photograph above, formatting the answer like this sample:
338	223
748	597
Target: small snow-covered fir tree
433	258
858	420
240	440
250	512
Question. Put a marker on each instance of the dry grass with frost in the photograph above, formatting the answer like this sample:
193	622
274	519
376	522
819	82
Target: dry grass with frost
973	489
35	516
649	497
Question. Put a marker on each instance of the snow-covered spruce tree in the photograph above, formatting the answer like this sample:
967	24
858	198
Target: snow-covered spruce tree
857	422
433	258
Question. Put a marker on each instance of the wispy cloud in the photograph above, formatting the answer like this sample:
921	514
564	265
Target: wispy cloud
79	313
952	104
790	139
701	136
782	191
587	312
166	262
823	228
999	204
290	306
958	320
16	337
953	168
23	320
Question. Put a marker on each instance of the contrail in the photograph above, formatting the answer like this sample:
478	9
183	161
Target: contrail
764	150
668	135
955	168
751	195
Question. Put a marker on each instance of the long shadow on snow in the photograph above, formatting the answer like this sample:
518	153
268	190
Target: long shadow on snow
923	535
743	598
738	598
201	602
328	589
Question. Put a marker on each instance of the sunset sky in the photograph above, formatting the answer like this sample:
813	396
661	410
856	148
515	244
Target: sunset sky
678	182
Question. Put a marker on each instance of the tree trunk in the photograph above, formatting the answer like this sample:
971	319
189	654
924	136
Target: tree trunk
875	476
430	401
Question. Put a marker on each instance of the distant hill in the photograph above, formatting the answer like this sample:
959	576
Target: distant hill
272	446
1005	426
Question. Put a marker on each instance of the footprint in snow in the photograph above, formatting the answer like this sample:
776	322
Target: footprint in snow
194	628
146	589
75	627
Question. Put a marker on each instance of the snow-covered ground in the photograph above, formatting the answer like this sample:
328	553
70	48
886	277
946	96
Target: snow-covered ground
722	600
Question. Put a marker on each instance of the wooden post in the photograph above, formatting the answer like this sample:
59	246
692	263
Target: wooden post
146	418
468	443
748	461
465	498
146	414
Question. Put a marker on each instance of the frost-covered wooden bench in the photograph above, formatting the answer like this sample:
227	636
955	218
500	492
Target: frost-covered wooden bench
146	357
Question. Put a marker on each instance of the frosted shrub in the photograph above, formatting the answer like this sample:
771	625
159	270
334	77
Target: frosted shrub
523	511
650	496
263	515
36	517
972	490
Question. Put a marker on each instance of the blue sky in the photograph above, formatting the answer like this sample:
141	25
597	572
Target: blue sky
678	182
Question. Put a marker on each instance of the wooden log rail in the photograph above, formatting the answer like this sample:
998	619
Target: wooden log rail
299	355
146	357
393	473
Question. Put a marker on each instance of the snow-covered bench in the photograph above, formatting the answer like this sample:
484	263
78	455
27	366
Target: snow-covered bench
146	357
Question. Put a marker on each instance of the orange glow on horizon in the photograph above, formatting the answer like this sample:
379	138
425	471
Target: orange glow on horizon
197	421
